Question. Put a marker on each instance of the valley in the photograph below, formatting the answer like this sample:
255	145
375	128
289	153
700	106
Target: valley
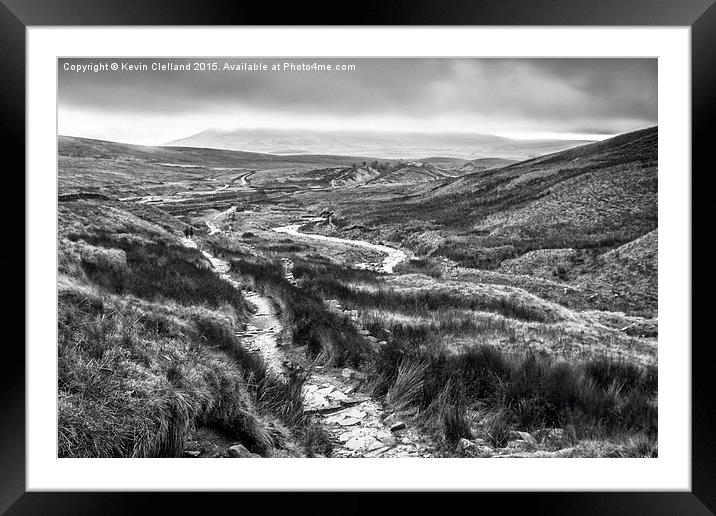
349	306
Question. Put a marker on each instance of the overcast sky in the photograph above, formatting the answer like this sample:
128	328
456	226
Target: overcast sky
522	98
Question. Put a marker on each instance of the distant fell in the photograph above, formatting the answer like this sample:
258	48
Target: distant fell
381	144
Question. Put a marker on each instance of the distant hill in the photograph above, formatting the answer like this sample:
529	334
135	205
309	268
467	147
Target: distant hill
382	144
198	157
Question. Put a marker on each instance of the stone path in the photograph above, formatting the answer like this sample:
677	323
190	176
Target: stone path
358	425
262	332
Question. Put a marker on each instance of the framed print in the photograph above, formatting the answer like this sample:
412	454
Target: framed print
434	250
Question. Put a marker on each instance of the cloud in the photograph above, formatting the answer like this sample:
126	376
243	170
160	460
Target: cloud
606	96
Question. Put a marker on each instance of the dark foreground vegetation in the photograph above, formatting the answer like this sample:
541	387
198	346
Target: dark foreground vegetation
592	400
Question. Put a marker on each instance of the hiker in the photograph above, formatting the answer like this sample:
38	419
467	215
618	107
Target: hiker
186	232
191	231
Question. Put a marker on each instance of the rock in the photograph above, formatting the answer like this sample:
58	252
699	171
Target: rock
239	451
525	436
337	395
398	425
355	412
346	373
325	409
345	437
324	391
349	402
349	421
376	444
376	452
473	448
388	440
519	444
192	453
361	442
464	444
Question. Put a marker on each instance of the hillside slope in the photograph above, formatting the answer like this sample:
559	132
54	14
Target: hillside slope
626	276
596	196
399	173
148	352
554	217
605	190
482	164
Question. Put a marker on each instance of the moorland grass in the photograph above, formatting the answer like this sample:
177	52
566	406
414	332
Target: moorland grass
148	351
595	399
389	299
134	382
160	270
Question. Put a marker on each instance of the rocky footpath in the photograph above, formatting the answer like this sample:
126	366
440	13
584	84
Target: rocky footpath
358	425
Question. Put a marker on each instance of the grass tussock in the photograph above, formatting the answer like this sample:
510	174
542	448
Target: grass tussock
134	383
595	399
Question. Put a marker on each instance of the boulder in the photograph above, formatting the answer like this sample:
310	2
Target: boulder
239	451
525	436
473	448
349	421
398	425
519	444
387	440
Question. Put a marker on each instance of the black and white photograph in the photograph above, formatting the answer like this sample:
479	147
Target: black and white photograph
375	257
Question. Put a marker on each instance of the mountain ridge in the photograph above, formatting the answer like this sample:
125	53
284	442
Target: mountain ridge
382	144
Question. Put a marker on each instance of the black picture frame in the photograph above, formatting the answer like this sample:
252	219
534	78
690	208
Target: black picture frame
700	15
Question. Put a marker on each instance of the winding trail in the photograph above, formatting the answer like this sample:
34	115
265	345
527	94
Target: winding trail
393	256
244	178
358	425
262	332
